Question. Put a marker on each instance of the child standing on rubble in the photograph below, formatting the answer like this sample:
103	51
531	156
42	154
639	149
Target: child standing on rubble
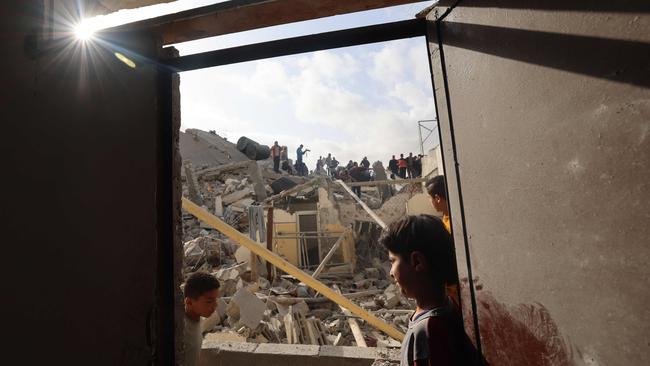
422	262
200	292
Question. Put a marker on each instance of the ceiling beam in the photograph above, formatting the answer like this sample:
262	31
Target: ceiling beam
310	43
242	15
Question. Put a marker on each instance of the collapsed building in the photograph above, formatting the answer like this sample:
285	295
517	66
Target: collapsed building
542	109
313	222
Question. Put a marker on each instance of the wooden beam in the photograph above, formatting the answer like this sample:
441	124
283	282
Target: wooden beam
329	255
354	326
242	15
269	243
291	46
389	181
289	268
370	212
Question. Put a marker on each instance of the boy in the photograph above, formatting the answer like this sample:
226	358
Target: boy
200	292
422	262
438	194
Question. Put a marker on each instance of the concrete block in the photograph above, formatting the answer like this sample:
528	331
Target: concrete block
288	349
223	337
227	346
236	196
218	206
251	309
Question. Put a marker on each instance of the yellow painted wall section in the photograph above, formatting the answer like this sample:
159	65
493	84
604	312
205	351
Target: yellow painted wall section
285	223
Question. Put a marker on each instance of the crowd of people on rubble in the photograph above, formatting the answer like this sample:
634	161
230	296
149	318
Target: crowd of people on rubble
405	167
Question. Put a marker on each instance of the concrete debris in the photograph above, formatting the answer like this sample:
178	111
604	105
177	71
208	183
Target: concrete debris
251	309
254	307
236	196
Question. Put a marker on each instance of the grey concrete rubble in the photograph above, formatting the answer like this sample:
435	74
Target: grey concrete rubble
256	308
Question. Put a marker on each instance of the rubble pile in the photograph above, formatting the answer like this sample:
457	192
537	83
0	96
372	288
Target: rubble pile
252	308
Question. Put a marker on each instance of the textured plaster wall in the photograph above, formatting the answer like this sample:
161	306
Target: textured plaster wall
551	115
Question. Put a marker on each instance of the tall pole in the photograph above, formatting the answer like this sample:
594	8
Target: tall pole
420	133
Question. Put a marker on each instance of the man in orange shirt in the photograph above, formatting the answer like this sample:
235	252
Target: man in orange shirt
402	164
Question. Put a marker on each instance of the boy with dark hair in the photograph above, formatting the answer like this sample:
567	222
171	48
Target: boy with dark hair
438	193
422	262
200	292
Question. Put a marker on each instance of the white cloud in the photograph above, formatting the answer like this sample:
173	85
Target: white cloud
349	102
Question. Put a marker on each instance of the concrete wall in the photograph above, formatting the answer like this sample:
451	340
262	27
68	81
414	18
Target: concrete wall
244	354
432	163
550	109
82	196
420	204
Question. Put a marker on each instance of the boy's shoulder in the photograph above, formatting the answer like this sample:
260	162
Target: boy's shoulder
438	337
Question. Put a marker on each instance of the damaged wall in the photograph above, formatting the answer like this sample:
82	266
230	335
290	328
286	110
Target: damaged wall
550	108
80	212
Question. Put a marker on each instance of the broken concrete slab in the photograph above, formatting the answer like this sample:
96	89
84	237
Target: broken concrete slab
218	206
251	309
224	337
236	196
243	203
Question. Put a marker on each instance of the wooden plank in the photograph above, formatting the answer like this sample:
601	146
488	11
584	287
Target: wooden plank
311	331
389	181
289	268
354	326
370	212
329	255
269	243
242	15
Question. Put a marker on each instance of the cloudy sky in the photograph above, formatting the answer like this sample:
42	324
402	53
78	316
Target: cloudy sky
353	102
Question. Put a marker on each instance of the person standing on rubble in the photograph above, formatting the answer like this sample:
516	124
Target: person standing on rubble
300	167
418	165
350	165
333	164
200	292
358	174
402	164
365	163
410	166
421	254
392	166
276	151
328	160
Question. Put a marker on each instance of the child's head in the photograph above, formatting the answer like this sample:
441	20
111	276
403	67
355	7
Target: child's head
421	253
438	193
201	292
